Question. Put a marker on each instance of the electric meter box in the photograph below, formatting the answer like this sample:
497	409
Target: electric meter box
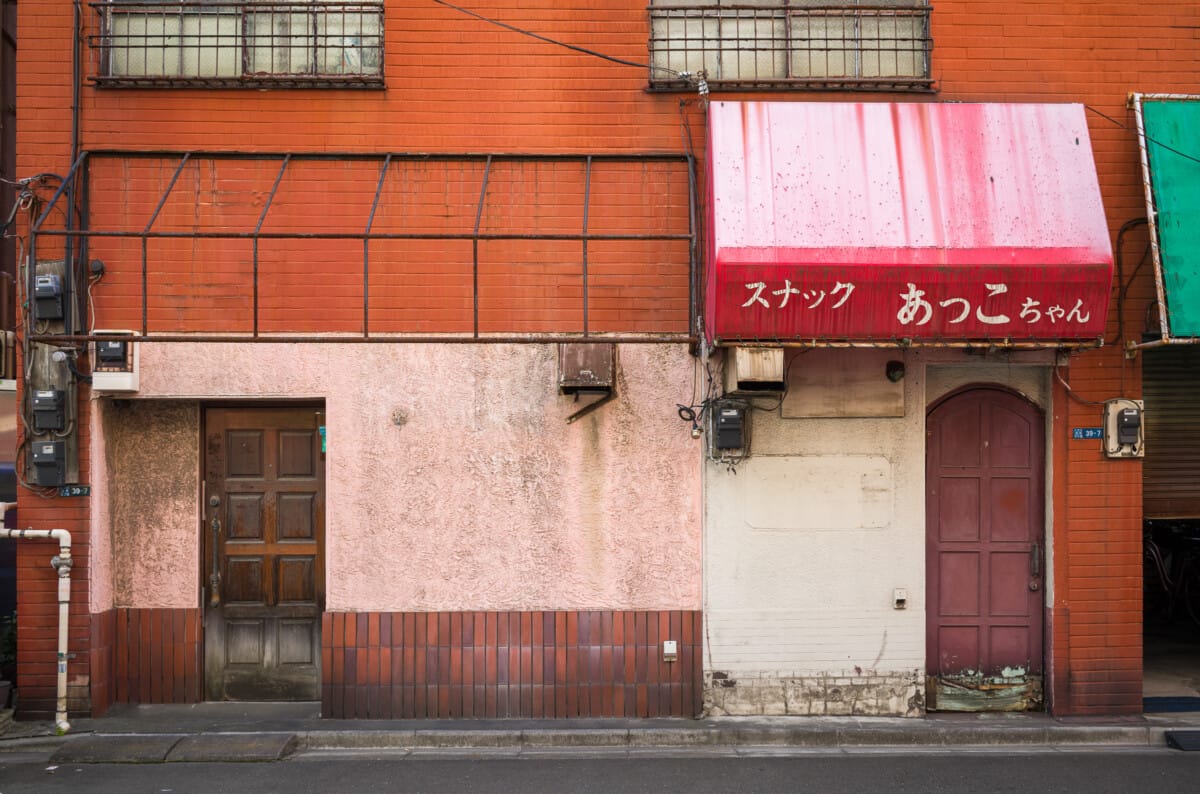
49	460
1124	429
730	421
112	352
115	363
49	410
48	297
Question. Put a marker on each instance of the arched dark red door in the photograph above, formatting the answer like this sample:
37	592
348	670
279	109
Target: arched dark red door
985	527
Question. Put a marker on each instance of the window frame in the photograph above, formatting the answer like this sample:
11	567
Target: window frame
667	49
244	46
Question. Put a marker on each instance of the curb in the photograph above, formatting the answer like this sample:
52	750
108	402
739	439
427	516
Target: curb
221	745
941	736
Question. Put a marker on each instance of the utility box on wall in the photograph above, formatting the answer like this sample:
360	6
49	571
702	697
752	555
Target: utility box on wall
115	363
586	367
49	463
729	426
754	369
1124	430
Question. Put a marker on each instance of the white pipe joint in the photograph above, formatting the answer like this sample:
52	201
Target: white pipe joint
62	565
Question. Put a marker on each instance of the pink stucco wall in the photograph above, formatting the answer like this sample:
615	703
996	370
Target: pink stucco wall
453	480
100	582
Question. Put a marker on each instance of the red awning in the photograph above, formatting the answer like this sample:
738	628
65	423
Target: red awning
888	222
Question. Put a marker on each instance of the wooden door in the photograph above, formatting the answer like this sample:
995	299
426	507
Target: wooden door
984	552
263	553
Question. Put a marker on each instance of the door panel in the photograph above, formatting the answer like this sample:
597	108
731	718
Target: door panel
958	513
264	485
958	580
984	541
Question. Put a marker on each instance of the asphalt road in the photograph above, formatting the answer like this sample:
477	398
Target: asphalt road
894	771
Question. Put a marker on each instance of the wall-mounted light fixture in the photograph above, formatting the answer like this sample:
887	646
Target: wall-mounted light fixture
895	371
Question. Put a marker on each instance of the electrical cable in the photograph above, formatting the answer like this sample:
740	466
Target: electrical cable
1122	283
574	47
1071	393
11	217
92	282
1143	135
39	177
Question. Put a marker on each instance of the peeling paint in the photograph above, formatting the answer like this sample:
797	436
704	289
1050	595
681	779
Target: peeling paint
973	691
825	694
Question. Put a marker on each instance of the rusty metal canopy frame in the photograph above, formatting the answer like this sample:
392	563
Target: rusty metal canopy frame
76	241
1152	212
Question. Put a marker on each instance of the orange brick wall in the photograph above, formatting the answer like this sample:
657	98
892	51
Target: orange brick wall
458	85
37	599
413	285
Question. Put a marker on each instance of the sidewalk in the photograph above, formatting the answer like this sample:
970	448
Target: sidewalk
272	731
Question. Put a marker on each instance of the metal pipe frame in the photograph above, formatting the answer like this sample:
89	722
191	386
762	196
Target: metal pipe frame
81	170
1164	323
912	344
366	328
500	339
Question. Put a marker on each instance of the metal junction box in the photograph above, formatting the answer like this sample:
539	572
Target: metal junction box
586	367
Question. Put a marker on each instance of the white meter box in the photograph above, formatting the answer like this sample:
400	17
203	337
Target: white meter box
1124	430
115	363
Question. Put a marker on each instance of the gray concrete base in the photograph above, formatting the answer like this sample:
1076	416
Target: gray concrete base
224	747
127	748
119	749
270	732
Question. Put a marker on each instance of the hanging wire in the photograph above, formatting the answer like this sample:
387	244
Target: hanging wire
1144	136
702	85
1123	283
1071	392
699	78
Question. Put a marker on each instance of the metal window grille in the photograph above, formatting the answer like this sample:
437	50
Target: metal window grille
877	45
222	44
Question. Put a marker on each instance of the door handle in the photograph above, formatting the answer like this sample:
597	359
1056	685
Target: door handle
214	581
1035	560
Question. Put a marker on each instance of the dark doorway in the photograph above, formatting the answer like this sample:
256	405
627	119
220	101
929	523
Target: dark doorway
1171	530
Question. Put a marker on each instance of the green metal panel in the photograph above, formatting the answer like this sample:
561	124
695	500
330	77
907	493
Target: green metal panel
1172	141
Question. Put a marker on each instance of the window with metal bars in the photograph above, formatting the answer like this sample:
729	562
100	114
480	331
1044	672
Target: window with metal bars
309	43
875	45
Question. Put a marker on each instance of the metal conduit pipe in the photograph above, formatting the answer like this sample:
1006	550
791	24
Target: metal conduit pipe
62	564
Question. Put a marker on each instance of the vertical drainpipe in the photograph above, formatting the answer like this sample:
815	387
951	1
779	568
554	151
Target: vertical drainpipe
62	564
76	79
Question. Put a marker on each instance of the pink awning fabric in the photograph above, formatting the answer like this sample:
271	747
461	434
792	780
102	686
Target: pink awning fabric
904	222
